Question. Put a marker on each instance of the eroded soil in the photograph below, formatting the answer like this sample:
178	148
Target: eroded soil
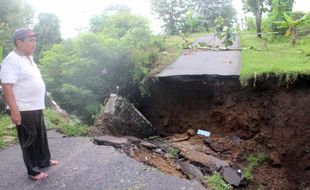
270	119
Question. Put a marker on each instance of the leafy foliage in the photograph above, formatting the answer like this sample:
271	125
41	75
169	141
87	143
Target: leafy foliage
257	7
81	72
192	15
171	12
291	25
49	29
208	10
279	8
13	14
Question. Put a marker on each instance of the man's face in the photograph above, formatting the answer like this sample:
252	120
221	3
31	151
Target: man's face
27	46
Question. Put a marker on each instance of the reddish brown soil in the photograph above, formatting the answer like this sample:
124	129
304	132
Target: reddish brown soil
269	118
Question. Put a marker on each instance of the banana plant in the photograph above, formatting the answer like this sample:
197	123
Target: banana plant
292	25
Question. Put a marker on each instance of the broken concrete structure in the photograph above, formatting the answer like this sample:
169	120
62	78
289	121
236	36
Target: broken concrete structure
121	118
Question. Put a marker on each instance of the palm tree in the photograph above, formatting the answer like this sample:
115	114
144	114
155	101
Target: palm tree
292	25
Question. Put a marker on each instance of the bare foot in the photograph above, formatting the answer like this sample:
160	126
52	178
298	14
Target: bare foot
53	162
39	176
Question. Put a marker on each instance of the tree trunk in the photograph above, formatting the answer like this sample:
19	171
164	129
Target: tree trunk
294	36
258	22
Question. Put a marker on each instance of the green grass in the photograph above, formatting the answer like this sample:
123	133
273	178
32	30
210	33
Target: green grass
8	134
216	182
172	152
274	57
253	161
72	128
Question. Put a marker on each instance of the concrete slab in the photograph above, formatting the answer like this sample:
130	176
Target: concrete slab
226	63
207	62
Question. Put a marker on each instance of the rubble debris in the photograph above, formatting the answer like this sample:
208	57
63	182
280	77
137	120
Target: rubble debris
190	152
106	140
215	147
203	133
232	176
148	145
178	138
168	166
191	132
121	118
190	170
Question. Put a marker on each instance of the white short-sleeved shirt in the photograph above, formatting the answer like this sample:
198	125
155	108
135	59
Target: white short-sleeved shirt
28	85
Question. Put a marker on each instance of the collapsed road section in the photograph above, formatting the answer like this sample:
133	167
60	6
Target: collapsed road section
270	122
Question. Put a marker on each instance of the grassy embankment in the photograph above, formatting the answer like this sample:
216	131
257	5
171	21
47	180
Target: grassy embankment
52	120
262	57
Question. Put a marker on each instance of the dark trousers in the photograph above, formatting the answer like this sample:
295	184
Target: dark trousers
36	153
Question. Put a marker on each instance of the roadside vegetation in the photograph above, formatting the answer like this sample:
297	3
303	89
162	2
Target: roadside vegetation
73	127
8	133
274	56
216	182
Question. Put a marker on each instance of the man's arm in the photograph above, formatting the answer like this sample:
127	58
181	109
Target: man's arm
10	100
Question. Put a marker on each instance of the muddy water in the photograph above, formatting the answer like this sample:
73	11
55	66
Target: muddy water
269	118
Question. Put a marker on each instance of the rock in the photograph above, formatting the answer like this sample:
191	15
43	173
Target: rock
274	159
231	176
235	139
191	132
215	146
189	152
106	140
133	140
121	118
158	151
54	106
178	138
148	145
190	170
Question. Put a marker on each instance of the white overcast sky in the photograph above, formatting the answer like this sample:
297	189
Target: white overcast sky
75	14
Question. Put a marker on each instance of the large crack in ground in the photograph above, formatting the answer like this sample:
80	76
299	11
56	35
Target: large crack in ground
268	119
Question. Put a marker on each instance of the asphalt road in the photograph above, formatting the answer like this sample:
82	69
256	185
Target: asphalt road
86	166
207	62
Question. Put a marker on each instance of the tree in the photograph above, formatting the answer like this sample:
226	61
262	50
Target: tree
208	10
175	13
117	22
49	29
13	14
292	25
171	12
279	7
191	23
81	72
257	7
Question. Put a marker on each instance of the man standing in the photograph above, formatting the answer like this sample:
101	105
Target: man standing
24	91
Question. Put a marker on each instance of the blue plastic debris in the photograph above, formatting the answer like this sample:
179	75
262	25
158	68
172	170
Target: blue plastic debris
203	133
